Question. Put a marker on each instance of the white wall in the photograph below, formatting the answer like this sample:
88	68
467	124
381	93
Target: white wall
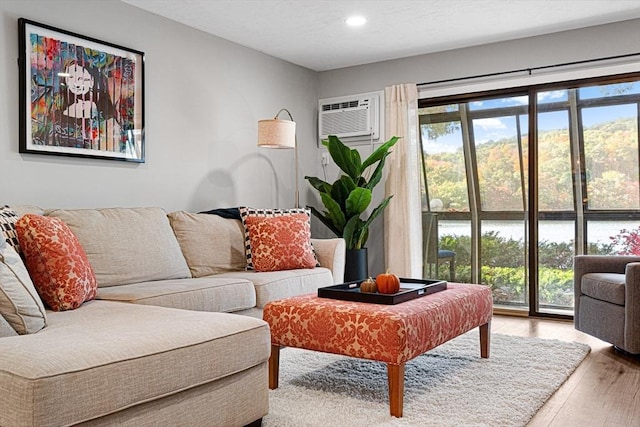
588	43
203	99
577	45
204	96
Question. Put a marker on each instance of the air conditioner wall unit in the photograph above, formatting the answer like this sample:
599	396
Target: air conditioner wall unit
353	118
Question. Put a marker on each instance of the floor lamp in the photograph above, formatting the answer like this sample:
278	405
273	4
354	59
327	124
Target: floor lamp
278	133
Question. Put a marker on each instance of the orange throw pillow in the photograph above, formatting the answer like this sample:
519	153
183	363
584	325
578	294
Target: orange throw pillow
247	211
280	242
56	262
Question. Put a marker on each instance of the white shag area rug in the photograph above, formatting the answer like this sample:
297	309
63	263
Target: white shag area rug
448	386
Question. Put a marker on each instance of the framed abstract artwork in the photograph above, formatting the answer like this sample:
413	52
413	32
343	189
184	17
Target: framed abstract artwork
79	96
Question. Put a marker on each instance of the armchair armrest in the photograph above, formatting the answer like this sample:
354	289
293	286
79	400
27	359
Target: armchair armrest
621	264
331	254
632	308
584	264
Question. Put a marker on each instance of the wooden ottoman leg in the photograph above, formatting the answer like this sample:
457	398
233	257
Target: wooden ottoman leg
485	339
274	366
395	375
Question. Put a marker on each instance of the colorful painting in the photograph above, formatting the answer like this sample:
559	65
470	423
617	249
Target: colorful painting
79	96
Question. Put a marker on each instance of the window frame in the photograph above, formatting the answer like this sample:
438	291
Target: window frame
581	215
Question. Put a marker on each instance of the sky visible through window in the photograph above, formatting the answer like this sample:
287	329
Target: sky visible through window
497	128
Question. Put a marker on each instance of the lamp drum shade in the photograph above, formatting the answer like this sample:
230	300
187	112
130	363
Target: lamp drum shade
276	133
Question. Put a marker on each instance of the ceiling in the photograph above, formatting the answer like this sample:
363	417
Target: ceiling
312	33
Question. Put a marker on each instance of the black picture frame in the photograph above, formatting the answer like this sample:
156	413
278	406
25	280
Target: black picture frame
79	96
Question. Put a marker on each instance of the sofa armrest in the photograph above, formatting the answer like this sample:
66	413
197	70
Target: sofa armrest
331	254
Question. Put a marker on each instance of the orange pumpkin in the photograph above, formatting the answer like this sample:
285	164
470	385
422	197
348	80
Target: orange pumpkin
388	283
368	285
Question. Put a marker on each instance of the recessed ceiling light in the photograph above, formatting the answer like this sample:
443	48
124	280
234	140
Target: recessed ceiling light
356	21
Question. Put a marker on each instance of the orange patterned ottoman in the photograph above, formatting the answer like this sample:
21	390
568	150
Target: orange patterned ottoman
393	334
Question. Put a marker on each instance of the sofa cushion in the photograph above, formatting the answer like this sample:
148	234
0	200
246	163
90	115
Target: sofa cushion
20	304
607	287
127	245
204	293
56	262
210	244
275	285
25	209
246	211
6	330
281	242
8	219
122	355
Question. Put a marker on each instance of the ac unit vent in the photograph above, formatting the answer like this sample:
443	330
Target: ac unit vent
340	105
354	117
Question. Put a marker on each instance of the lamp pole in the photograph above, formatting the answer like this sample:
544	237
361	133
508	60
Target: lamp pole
295	155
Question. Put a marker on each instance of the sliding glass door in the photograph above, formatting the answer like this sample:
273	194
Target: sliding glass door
496	224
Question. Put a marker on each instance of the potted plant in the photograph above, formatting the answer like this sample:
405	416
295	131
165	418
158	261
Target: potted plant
347	199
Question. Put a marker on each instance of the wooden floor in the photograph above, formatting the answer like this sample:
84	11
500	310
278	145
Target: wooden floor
603	391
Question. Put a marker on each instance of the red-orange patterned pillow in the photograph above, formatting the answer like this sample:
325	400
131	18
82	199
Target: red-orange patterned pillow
281	242
56	262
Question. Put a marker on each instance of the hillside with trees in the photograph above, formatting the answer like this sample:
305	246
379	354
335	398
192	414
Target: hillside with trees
611	159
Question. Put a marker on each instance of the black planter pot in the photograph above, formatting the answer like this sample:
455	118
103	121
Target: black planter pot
356	267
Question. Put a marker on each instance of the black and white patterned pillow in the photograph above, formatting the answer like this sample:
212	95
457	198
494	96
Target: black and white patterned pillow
8	219
246	211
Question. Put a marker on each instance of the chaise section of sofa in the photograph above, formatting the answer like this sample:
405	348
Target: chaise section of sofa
108	363
163	344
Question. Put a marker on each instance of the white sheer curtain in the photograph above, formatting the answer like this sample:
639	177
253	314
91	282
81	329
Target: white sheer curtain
403	218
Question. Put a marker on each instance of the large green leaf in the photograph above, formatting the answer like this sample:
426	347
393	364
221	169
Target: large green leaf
352	231
355	159
318	184
358	201
347	233
348	183
377	211
362	238
379	153
377	173
334	212
341	190
325	220
341	154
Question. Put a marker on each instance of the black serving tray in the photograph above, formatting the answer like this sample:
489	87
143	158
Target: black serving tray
409	289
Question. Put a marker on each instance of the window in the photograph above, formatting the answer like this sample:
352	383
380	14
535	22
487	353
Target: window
586	187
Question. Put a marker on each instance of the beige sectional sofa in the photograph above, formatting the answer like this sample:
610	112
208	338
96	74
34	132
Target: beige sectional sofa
175	336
